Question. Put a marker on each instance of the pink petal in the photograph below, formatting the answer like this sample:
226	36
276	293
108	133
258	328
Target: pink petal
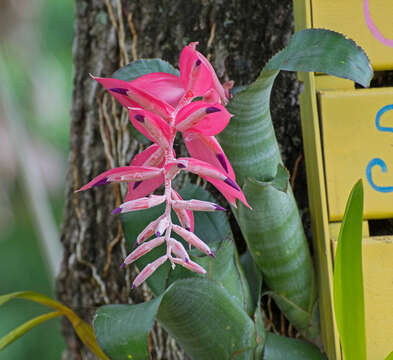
151	125
228	191
203	117
186	217
143	249
148	270
147	231
208	149
192	239
140	204
130	95
123	174
163	86
152	156
178	249
193	266
197	74
196	205
218	178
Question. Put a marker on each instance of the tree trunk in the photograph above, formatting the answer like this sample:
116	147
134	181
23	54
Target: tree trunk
238	37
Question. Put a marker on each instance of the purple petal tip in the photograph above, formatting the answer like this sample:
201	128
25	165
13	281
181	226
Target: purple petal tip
123	265
230	182
181	166
135	245
136	184
133	286
212	254
212	109
222	161
218	207
103	181
198	62
116	211
158	234
187	260
188	228
139	118
121	91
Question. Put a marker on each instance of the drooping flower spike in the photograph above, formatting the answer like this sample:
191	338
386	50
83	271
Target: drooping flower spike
160	105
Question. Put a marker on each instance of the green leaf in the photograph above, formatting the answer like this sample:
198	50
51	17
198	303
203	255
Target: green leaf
199	313
390	356
250	143
23	329
282	348
253	276
348	279
275	238
326	51
141	67
122	330
206	322
84	330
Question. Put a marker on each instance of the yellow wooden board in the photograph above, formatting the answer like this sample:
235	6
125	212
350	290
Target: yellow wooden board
357	133
370	26
378	288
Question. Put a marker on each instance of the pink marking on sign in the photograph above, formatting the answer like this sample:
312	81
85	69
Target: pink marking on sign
373	28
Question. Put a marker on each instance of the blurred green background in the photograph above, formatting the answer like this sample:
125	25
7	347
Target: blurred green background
35	95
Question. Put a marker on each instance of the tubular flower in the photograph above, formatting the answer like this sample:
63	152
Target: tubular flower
160	105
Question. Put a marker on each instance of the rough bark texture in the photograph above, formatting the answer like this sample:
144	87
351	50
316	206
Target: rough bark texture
238	37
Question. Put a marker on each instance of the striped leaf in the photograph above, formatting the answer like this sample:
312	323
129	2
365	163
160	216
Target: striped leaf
250	143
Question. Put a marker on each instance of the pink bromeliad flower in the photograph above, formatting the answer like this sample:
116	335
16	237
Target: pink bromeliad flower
160	105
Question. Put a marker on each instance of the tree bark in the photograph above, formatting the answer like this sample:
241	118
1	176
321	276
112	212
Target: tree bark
238	37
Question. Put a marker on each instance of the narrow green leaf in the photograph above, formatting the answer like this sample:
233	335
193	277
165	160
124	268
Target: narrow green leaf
348	279
24	328
390	356
282	348
254	277
141	67
83	329
122	330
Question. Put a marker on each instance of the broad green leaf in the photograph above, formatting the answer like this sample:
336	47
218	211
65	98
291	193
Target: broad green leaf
276	240
83	329
348	279
283	348
141	67
122	330
24	328
204	320
199	313
325	51
250	143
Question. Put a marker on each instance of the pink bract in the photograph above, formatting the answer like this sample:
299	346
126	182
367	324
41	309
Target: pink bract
160	105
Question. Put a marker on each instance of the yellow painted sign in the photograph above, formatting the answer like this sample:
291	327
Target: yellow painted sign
357	135
369	22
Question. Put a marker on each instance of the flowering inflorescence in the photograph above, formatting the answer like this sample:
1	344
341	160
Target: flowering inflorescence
160	105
